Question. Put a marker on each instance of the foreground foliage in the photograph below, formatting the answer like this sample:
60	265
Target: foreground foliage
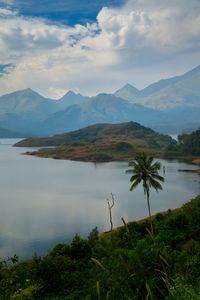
124	264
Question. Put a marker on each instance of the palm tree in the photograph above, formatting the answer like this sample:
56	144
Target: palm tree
146	171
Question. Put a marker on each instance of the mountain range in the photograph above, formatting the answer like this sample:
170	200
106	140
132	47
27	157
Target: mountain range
167	106
104	108
166	93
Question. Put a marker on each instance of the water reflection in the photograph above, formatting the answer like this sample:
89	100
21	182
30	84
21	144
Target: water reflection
45	201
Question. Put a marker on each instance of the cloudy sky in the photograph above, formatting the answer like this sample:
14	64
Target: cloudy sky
91	46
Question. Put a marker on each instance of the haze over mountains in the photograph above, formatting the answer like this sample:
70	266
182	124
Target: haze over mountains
23	111
166	93
167	106
104	108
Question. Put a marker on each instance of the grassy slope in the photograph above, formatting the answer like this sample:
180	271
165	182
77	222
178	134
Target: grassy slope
101	142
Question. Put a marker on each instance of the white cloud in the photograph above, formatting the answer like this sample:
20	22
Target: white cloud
7	12
161	28
121	44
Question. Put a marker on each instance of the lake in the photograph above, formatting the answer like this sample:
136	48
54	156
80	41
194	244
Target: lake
45	201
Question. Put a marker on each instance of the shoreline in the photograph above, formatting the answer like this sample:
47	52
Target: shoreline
193	160
142	220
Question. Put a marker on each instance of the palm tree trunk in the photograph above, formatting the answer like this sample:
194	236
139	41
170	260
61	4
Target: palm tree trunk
148	202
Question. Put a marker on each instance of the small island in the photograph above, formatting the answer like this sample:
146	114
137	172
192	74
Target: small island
101	143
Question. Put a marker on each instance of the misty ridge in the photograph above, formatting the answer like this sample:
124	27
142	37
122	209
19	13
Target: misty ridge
169	106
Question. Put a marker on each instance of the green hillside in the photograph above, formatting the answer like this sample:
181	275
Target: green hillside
101	142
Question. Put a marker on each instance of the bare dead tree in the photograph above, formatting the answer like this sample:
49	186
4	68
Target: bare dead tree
110	206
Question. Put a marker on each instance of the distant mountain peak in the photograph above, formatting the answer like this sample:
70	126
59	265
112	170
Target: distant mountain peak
128	92
102	97
104	94
130	86
70	93
28	90
31	92
71	98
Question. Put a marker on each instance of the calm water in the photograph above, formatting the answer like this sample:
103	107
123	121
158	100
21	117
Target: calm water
46	201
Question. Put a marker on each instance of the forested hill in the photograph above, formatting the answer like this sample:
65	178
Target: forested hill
101	142
188	144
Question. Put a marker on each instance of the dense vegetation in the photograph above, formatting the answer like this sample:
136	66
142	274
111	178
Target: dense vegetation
124	264
188	144
101	142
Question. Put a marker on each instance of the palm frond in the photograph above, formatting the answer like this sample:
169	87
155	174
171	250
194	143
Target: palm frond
146	170
132	163
135	183
158	177
155	184
135	177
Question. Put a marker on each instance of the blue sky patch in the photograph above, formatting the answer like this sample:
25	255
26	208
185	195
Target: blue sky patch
3	69
68	12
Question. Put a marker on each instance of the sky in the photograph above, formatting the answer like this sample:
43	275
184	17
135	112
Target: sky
93	46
